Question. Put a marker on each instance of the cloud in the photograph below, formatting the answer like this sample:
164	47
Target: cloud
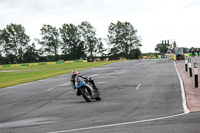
39	5
168	3
155	20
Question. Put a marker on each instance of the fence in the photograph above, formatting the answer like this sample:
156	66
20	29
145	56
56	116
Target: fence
43	63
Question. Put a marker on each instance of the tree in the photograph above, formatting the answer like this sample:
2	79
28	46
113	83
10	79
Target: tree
71	45
100	47
162	48
50	40
13	42
81	51
2	59
186	50
31	54
114	53
123	38
135	53
1	51
88	34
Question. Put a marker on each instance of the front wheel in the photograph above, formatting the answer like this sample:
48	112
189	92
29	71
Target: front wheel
87	94
98	95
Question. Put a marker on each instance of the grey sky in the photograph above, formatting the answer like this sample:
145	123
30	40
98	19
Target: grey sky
155	20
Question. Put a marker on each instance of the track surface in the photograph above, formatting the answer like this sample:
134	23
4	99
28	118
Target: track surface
137	96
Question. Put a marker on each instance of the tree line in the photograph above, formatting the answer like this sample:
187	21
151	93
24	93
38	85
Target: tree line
68	42
163	48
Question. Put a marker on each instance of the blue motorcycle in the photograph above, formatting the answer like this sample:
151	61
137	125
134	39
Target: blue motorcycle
87	89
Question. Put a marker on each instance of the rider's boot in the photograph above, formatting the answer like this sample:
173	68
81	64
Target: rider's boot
78	92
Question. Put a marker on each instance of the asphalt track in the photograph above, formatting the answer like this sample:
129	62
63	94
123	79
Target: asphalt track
141	96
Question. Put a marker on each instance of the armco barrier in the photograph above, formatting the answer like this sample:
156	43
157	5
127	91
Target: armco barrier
6	66
195	54
24	64
78	61
69	61
17	65
44	63
61	62
186	55
51	63
174	57
33	64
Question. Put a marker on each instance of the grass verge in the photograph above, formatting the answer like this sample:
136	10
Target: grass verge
33	73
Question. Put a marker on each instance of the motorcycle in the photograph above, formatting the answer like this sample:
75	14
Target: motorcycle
87	89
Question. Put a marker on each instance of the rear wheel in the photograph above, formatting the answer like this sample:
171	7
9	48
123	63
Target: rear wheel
87	94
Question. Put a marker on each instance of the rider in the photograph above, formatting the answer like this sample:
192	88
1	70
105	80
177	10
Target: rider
74	74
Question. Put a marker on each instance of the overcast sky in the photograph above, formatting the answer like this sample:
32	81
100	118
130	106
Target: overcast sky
155	20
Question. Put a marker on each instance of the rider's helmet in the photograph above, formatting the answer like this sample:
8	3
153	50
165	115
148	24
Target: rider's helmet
74	74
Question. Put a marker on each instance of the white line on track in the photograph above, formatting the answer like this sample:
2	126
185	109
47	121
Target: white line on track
118	124
146	64
65	84
93	75
58	86
51	89
138	87
184	103
186	111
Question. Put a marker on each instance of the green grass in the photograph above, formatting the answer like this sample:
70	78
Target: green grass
34	73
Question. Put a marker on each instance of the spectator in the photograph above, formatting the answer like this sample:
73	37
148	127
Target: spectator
192	52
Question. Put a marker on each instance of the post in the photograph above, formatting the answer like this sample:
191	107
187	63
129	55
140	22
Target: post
190	66
196	75
186	62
